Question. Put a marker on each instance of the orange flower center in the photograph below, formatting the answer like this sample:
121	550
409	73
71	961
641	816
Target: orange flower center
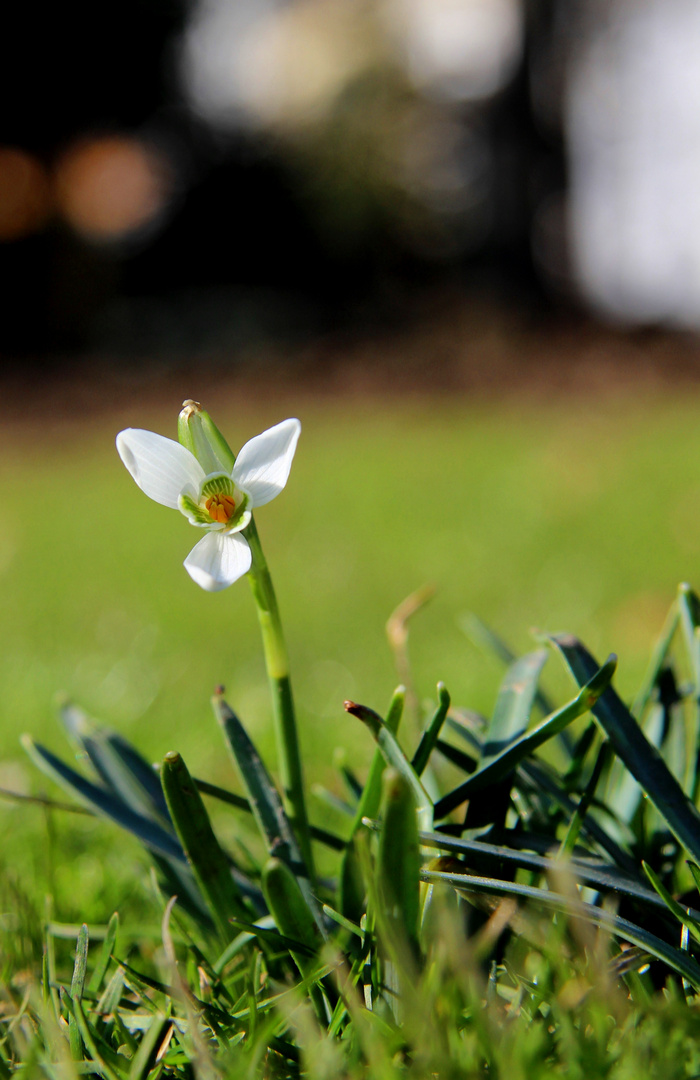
220	508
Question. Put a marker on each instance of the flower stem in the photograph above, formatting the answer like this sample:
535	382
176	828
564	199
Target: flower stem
277	664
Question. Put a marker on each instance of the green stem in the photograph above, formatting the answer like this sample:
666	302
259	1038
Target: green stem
277	664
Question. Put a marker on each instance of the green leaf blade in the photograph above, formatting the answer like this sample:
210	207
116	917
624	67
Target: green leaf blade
208	861
641	758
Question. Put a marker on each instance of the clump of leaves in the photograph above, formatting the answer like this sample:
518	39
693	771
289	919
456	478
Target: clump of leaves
511	893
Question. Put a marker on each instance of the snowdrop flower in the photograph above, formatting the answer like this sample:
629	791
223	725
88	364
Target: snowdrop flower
218	501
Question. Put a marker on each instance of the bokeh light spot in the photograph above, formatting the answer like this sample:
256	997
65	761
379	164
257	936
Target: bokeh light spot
25	199
112	186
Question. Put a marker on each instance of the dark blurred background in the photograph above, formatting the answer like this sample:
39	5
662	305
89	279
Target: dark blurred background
189	179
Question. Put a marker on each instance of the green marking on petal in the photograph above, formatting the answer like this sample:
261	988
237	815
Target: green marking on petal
196	514
238	513
218	484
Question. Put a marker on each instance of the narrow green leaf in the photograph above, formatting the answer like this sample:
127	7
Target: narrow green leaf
623	793
600	876
347	924
140	979
432	731
680	912
351	889
579	754
335	802
676	959
41	800
49	961
76	991
500	765
352	783
263	797
351	884
695	871
576	823
484	637
550	787
209	863
294	921
398	863
641	758
514	703
290	911
102	801
105	955
393	754
658	658
88	1037
488	641
45	977
689	615
463	761
112	993
241	803
277	941
368	805
265	801
119	764
148	1047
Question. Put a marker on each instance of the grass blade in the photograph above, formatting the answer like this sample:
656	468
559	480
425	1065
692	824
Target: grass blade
265	801
658	658
99	799
76	991
676	959
371	797
695	871
545	782
351	889
689	614
576	823
398	863
514	703
641	758
277	941
90	1042
600	876
148	1047
500	765
393	754
119	765
322	835
263	797
681	913
489	641
432	731
105	955
295	921
208	861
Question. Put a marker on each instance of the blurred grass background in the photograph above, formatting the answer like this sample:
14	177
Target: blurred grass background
573	511
580	514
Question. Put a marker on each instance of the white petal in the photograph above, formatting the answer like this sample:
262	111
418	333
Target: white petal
218	560
161	467
263	465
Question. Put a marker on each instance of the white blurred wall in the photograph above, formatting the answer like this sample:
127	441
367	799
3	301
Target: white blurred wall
632	116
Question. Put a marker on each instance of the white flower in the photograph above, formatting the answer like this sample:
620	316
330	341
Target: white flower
220	503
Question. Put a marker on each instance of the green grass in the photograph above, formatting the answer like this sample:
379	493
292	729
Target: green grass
580	516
